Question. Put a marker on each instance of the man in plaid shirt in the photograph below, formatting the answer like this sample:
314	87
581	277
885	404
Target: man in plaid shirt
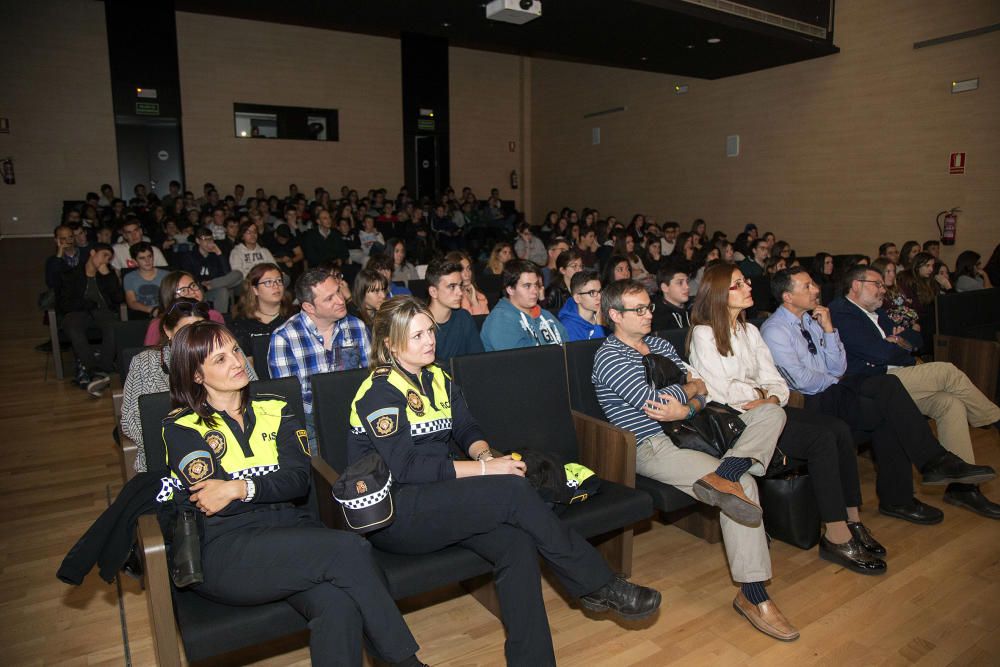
321	338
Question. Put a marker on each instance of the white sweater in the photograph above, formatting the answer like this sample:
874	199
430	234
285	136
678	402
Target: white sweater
243	259
732	379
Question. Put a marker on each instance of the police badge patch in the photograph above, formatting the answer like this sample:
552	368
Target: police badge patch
216	441
361	487
196	466
303	437
415	402
384	422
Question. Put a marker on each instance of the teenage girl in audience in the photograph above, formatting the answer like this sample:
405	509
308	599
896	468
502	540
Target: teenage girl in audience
942	276
473	300
698	232
412	414
502	253
568	264
264	306
652	255
737	367
625	247
176	285
908	252
969	274
822	275
402	271
897	304
684	249
257	545
618	268
369	293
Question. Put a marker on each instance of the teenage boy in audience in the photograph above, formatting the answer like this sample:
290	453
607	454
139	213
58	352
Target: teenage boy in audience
588	247
321	338
528	246
756	264
581	314
88	297
889	251
941	391
68	256
210	266
142	286
628	402
672	309
321	243
669	240
518	320
556	247
933	248
132	234
809	353
456	331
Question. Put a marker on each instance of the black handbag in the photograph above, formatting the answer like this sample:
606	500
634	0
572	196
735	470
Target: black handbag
713	430
790	510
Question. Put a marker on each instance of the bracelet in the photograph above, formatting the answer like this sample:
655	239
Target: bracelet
251	490
484	454
482	466
691	412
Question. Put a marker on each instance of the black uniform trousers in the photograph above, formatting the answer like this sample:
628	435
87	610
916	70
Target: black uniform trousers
826	445
503	519
327	575
879	406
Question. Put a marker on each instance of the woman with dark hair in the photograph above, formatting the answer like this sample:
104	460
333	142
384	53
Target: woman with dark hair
370	291
473	300
652	255
918	288
568	263
617	268
705	258
176	285
942	276
784	250
263	307
248	253
822	274
969	274
411	413
897	303
625	247
775	264
993	266
908	252
241	459
636	227
698	233
737	367
684	249
402	271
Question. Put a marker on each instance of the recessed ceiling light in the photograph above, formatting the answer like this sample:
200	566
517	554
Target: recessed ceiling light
714	40
690	46
643	58
445	25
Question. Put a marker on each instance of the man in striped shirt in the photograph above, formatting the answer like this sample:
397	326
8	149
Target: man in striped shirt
631	403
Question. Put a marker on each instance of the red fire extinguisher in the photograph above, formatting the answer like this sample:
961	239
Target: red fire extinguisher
513	180
7	167
949	228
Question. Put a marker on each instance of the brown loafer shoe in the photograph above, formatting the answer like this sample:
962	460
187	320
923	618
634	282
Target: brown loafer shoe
729	498
766	617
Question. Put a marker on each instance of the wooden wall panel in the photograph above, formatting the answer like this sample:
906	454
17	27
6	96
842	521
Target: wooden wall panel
224	60
838	154
56	88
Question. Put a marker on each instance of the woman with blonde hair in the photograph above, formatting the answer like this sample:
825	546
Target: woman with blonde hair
502	253
410	413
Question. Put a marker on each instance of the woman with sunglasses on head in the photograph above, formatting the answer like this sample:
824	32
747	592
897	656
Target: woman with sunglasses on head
409	412
177	285
263	307
148	373
738	369
370	291
241	459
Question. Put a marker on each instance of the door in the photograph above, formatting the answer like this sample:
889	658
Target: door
427	167
149	153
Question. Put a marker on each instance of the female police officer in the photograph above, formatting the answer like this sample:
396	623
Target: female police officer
408	410
241	460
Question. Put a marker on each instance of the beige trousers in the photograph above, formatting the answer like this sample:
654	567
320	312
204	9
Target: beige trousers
946	395
746	548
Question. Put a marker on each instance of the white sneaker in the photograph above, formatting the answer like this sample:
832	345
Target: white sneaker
97	386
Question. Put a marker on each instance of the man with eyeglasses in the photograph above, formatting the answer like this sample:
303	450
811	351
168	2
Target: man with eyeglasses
581	314
809	354
941	391
456	330
211	267
518	320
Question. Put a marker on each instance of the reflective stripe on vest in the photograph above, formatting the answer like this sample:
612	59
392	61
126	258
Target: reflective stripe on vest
423	416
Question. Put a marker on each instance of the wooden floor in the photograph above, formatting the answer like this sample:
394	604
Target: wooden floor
938	605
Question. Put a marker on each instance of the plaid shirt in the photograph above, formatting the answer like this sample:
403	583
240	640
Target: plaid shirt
297	350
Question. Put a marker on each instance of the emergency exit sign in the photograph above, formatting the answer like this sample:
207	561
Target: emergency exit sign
147	108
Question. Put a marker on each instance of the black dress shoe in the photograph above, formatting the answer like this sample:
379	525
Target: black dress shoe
624	598
950	469
971	498
851	555
860	533
915	512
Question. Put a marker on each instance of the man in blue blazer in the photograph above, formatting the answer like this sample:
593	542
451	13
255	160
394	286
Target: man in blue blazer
941	391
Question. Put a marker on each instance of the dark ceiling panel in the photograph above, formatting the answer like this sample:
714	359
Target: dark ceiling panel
667	36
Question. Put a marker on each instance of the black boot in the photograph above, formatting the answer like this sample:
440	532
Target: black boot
624	598
971	498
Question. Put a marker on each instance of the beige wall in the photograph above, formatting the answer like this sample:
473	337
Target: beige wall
56	87
225	60
488	107
839	153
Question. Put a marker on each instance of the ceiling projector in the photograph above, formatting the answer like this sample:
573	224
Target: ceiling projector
517	12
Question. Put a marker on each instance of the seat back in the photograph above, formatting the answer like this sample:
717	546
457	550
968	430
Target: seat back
125	359
491	286
259	347
677	338
419	289
579	366
520	398
332	396
128	334
970	314
479	319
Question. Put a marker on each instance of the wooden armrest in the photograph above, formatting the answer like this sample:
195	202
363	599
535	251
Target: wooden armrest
606	449
117	395
324	477
156	580
127	454
796	400
977	358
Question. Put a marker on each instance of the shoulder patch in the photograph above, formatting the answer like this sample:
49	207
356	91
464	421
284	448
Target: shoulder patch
196	466
381	372
303	437
384	422
216	441
175	413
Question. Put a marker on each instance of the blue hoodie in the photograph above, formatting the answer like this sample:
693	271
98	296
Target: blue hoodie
507	328
577	327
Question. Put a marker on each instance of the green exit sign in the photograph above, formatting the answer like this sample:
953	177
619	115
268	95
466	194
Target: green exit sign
147	108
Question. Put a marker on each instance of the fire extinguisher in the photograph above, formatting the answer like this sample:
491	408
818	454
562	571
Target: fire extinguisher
949	228
513	180
7	167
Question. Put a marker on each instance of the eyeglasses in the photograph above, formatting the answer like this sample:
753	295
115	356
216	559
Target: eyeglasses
575	266
188	289
877	283
739	284
270	282
639	310
809	339
591	293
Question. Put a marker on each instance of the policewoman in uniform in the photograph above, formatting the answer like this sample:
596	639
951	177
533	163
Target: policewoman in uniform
408	411
242	460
